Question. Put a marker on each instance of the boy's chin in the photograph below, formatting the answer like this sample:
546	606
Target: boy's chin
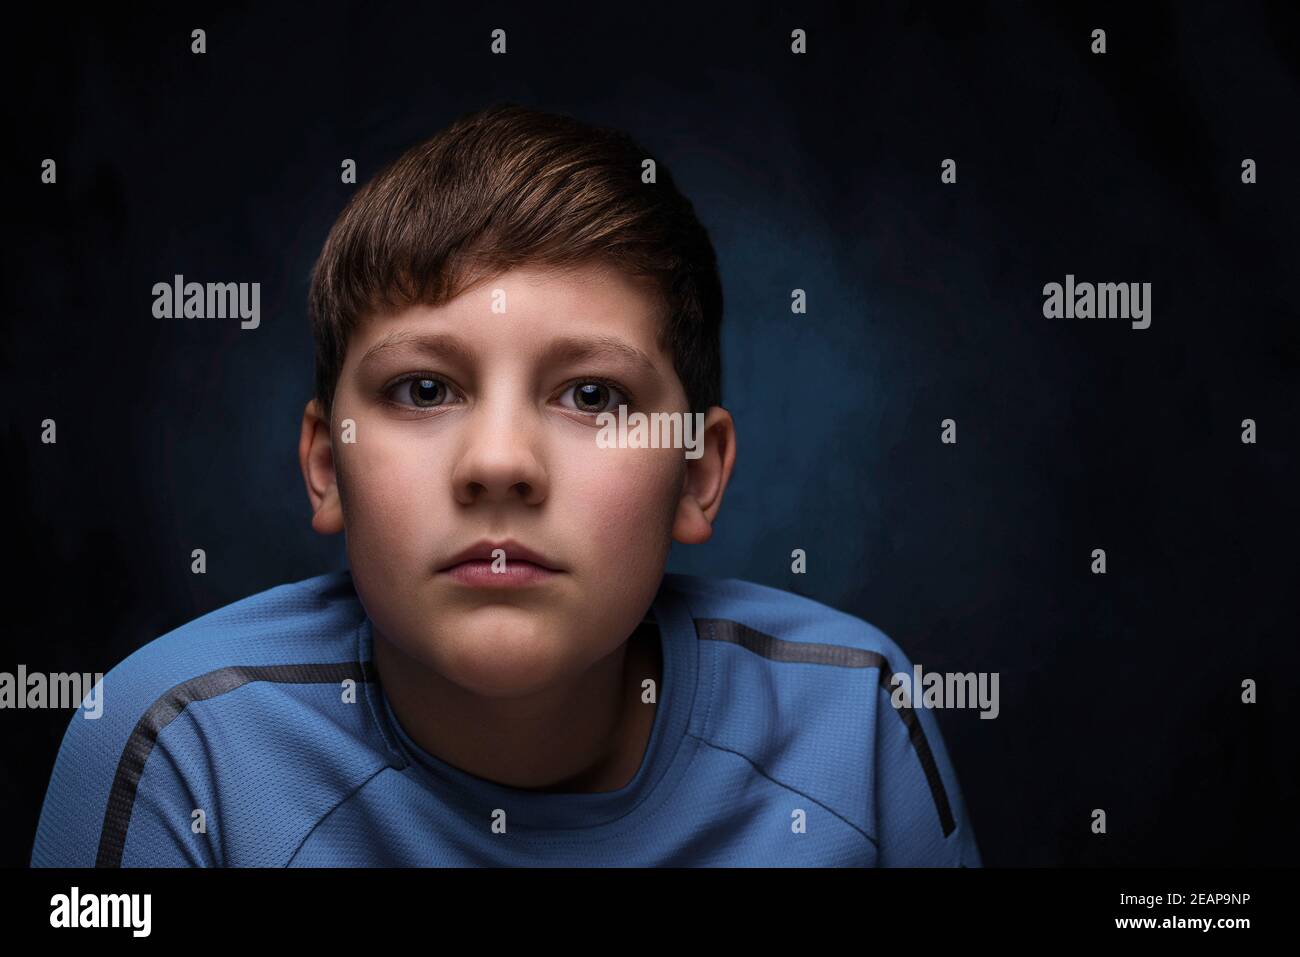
508	661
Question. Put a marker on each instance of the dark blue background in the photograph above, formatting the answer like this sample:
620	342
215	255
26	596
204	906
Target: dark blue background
819	172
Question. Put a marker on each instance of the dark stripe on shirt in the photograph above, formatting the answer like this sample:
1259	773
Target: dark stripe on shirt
121	798
837	656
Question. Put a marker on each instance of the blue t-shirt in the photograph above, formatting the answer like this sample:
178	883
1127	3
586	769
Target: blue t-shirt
259	735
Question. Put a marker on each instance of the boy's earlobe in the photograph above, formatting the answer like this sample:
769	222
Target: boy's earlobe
316	457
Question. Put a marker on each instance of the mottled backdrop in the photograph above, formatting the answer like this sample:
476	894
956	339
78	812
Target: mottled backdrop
818	172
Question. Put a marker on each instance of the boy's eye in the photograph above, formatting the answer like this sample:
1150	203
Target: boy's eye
424	392
592	397
428	392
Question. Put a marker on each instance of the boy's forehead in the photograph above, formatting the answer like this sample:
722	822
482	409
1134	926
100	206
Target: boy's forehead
585	288
568	312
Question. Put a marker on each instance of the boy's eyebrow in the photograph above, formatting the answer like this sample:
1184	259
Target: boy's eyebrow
576	349
428	343
566	349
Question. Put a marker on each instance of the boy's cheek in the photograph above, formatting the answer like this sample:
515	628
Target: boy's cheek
393	534
625	508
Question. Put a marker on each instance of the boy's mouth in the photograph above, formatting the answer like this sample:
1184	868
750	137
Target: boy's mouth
499	558
512	574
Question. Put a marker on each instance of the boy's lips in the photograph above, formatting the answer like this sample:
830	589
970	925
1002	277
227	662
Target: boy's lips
516	574
515	552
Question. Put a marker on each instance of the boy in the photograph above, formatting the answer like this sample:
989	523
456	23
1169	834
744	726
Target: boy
505	674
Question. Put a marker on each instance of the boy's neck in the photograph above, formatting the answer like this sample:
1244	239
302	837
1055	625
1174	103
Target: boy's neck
588	735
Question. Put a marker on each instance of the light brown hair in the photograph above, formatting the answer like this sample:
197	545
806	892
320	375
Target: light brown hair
509	186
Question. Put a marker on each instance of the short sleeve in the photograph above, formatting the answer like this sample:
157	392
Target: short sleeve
115	798
920	815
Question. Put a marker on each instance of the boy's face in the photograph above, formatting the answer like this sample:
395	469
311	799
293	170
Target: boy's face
475	424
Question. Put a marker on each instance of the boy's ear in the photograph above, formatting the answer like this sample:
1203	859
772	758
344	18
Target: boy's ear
316	456
706	479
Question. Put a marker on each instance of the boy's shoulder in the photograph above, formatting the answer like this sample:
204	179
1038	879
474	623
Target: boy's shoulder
245	687
296	618
313	621
803	692
767	619
294	629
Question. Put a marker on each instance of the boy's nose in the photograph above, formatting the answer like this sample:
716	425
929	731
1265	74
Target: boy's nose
500	460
